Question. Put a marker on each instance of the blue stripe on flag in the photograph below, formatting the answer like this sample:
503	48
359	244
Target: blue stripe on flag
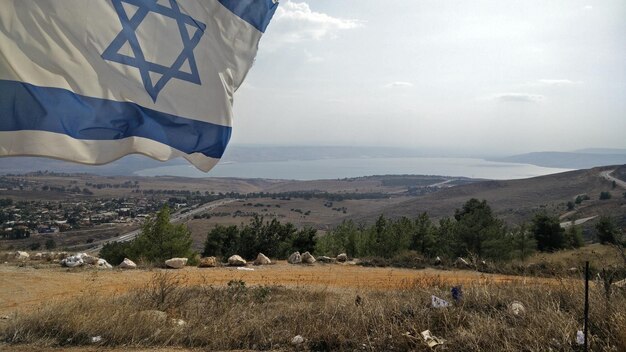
256	12
27	107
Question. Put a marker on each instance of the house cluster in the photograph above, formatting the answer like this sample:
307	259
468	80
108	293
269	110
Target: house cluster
22	219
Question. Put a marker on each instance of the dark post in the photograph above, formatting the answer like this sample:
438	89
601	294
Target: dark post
586	304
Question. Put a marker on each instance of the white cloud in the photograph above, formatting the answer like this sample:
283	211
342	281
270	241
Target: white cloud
518	97
295	22
399	84
588	7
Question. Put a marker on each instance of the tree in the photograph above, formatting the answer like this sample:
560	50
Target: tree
573	237
160	240
605	195
523	243
607	230
422	239
478	231
570	205
548	233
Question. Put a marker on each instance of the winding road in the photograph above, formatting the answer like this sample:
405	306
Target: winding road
618	182
176	217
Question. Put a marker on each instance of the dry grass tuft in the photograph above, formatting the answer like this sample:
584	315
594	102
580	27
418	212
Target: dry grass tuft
264	318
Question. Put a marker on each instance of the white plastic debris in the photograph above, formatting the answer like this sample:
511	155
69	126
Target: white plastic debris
580	337
431	341
439	302
244	268
297	340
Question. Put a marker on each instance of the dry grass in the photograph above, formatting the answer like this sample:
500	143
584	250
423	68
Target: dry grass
236	316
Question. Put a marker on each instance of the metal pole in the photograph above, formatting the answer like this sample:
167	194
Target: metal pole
586	304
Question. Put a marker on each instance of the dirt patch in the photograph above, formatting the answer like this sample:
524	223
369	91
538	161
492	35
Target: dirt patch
27	287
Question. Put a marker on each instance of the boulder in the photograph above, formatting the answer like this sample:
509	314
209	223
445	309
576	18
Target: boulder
325	259
342	258
307	258
19	255
261	259
72	262
37	256
176	263
236	260
89	259
208	262
127	264
517	308
297	340
103	264
295	258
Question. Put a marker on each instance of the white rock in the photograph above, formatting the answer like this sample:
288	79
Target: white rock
103	264
517	308
307	258
295	258
342	258
89	259
297	340
236	260
96	339
127	264
176	263
72	262
19	255
325	259
37	256
261	259
208	262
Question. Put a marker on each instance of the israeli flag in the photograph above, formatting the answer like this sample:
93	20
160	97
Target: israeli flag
92	81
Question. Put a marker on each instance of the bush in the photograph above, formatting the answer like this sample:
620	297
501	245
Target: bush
605	195
115	252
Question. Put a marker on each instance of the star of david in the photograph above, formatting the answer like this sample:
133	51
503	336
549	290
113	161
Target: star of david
138	60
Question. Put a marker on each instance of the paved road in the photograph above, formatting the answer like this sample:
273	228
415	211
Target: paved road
618	182
176	217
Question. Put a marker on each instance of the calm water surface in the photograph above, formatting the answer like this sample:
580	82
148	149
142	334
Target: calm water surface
356	167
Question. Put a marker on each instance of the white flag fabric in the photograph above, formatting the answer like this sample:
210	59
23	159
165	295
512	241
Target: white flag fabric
92	81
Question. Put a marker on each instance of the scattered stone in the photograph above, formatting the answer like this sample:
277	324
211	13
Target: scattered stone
179	322
73	261
37	256
580	337
461	263
307	258
437	302
325	259
438	261
127	264
208	262
96	339
153	315
236	260
89	259
103	264
297	340
19	255
295	258
517	308
342	258
573	270
261	259
176	263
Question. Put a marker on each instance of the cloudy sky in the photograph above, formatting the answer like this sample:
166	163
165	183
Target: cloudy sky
478	76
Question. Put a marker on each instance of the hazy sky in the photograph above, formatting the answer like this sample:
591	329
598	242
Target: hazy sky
479	76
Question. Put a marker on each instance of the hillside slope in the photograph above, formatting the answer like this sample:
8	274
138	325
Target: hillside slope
516	200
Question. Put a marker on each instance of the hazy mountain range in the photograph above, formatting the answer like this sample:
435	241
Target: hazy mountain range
578	159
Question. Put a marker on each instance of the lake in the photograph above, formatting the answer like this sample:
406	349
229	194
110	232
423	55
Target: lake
357	167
